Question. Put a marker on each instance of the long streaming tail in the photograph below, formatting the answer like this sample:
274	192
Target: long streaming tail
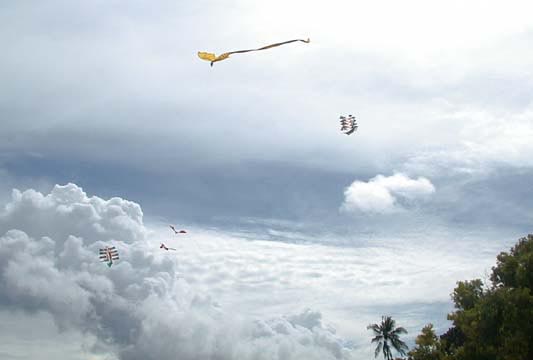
213	58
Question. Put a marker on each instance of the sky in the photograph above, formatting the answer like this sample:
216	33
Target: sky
298	235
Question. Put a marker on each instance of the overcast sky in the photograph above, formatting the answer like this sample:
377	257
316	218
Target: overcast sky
112	128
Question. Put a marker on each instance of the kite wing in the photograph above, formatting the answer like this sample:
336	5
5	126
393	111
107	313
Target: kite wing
206	56
213	58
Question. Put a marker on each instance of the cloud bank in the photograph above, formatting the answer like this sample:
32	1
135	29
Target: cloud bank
139	308
385	194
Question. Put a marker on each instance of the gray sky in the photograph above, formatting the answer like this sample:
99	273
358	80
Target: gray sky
111	96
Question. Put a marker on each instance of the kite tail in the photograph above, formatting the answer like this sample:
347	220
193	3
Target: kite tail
282	43
212	58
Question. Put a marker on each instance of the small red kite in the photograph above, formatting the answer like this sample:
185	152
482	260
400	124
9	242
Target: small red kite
177	232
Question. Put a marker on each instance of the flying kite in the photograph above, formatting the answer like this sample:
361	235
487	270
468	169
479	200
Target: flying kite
163	246
213	58
348	124
177	232
108	254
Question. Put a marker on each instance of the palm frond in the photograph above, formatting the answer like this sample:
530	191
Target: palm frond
375	328
386	351
378	349
377	338
399	330
399	346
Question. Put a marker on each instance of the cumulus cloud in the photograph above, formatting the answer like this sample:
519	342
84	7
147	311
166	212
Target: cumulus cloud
385	194
68	211
139	307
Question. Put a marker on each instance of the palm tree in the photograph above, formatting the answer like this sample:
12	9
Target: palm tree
387	336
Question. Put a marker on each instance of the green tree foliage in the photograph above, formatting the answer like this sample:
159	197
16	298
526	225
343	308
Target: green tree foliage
427	345
515	269
467	294
451	340
495	323
387	337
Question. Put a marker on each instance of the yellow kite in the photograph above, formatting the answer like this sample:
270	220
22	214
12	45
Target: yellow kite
213	58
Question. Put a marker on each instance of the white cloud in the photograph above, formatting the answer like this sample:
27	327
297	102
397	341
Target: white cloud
41	342
384	194
139	307
153	79
499	138
219	295
487	140
68	211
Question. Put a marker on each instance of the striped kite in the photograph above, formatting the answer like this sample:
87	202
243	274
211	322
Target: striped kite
348	125
108	254
213	58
